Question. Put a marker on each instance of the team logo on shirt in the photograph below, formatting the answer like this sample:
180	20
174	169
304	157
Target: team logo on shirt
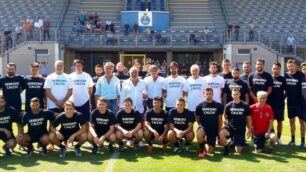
12	85
259	81
237	111
179	121
209	111
5	120
157	121
292	81
69	125
102	121
36	122
128	120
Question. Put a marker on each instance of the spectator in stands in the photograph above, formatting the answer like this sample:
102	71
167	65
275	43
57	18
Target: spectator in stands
46	29
8	38
40	22
229	30
88	27
28	28
107	25
251	30
237	28
126	29
37	29
31	21
193	39
206	32
99	27
95	18
81	17
291	43
158	38
78	27
110	38
18	31
112	27
136	28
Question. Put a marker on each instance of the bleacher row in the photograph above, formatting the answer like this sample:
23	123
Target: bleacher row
187	17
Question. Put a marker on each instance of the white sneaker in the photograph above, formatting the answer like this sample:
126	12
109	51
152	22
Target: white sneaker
141	144
129	143
279	142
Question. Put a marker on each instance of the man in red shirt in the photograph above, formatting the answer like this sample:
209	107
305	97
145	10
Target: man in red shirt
262	122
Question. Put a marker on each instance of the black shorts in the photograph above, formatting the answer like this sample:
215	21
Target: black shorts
36	137
278	114
238	138
295	111
259	141
211	136
4	138
84	109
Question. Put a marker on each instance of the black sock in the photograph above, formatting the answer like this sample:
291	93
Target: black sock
293	138
77	146
150	143
302	139
187	144
30	147
279	135
176	144
61	146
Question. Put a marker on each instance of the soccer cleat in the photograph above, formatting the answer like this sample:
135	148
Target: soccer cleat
77	151
150	149
164	147
129	143
62	152
202	154
279	142
44	151
177	150
22	148
291	143
302	145
94	149
6	150
141	144
226	150
30	152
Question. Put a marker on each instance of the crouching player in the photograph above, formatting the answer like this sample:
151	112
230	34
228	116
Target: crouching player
156	125
129	125
8	115
180	126
237	116
36	120
262	122
209	117
102	126
73	128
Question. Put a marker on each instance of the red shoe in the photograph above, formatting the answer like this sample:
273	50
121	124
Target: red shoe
202	154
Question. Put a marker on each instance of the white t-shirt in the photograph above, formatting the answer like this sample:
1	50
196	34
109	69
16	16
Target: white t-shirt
59	85
134	92
174	88
195	89
81	83
217	84
154	88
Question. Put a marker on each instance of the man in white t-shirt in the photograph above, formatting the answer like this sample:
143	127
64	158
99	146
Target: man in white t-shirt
173	87
134	88
82	89
154	85
215	81
58	86
194	88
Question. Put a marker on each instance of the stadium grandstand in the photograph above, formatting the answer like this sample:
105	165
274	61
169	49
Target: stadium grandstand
194	31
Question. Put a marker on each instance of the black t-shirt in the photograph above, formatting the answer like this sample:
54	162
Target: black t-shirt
304	92
294	91
8	116
8	34
93	99
244	78
227	76
122	76
102	122
12	87
236	115
34	88
209	115
260	82
243	87
37	123
69	125
128	121
277	97
180	120
157	121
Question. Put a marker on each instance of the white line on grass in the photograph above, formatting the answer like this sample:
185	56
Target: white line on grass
112	161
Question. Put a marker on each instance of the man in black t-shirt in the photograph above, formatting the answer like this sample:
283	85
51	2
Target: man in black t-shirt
156	125
209	118
236	82
303	65
8	115
102	126
259	81
237	116
12	85
226	73
294	98
36	120
180	126
129	125
99	73
34	87
73	128
246	67
277	98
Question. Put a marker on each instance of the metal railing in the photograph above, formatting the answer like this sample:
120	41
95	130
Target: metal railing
63	13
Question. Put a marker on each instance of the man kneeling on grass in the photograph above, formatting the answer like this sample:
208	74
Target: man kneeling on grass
102	126
181	126
8	115
209	117
156	125
73	128
262	122
129	125
36	120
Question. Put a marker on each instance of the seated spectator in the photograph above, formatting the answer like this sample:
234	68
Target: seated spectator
110	38
88	27
107	25
82	18
136	28
18	31
8	38
112	27
291	43
90	19
99	27
78	27
192	38
126	29
46	28
95	18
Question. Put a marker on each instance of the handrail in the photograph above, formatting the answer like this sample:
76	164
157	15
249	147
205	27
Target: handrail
63	14
224	11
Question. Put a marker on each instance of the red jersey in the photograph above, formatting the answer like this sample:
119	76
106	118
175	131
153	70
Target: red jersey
261	118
